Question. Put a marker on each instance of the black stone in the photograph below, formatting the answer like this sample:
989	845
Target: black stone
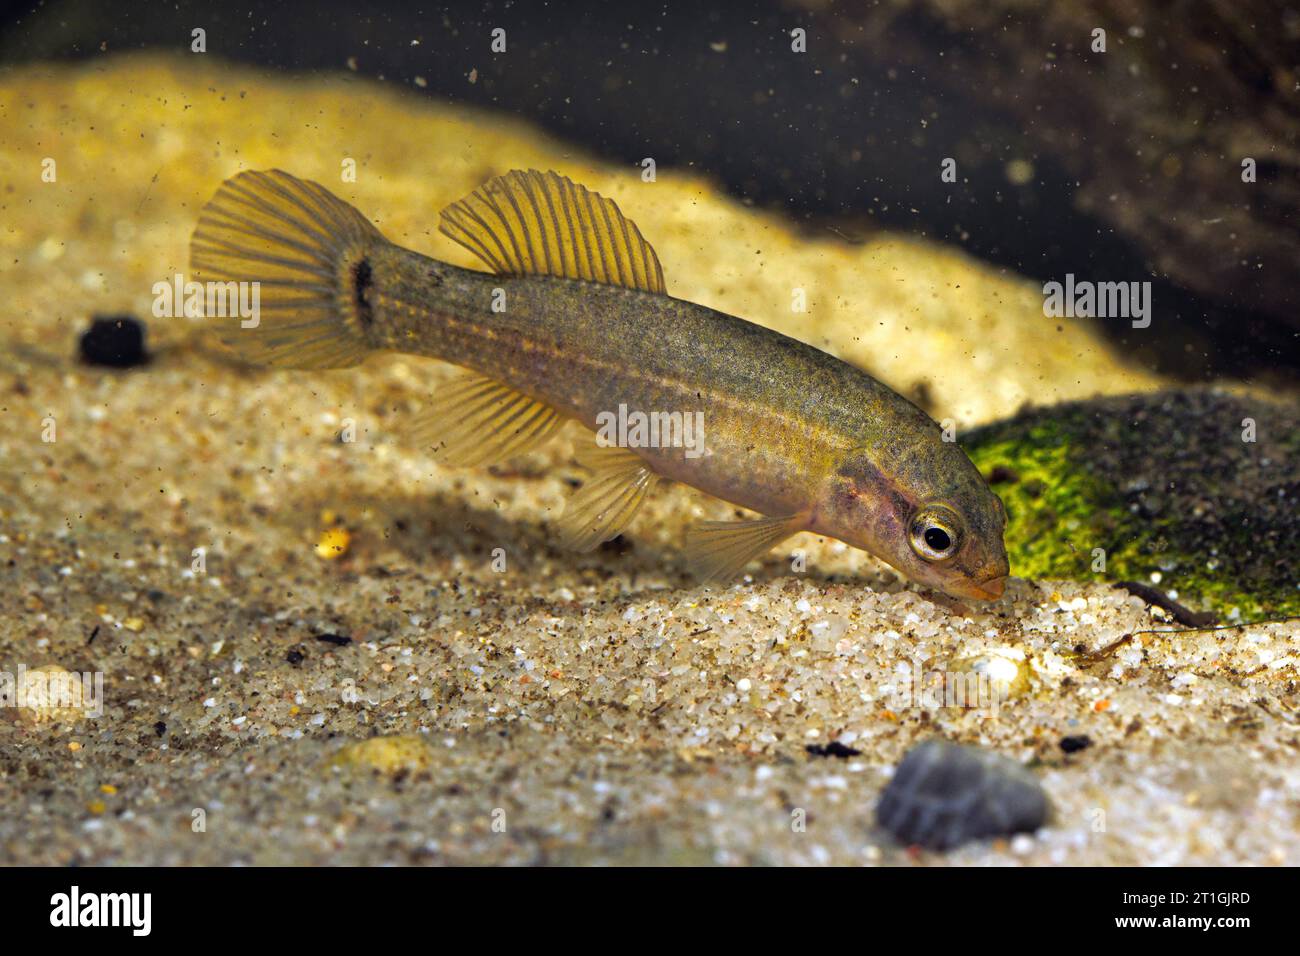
115	341
945	794
832	749
1074	744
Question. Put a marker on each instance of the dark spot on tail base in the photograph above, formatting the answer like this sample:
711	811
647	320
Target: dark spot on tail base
362	280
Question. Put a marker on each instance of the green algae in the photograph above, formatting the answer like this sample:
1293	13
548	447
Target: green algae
1157	489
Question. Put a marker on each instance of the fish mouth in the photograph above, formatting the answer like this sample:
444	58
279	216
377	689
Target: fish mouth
990	590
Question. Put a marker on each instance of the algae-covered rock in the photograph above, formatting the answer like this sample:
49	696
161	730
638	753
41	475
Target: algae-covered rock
1194	490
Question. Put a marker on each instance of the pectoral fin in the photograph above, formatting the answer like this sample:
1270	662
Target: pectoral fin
475	420
609	500
719	550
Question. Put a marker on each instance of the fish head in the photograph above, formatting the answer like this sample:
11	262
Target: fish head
930	515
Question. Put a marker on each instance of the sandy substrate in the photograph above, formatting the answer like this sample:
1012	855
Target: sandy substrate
564	709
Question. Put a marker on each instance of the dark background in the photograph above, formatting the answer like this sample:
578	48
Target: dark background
849	136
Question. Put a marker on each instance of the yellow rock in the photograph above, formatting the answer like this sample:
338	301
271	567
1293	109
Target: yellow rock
387	755
333	543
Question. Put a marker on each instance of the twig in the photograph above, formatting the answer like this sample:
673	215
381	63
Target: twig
1222	627
1181	613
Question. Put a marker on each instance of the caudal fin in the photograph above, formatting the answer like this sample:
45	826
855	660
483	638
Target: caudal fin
307	251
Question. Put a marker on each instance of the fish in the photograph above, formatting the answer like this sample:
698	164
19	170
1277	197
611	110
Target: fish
573	322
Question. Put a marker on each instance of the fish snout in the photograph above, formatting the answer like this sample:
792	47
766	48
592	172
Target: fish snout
990	589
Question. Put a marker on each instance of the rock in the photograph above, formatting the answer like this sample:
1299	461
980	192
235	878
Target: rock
998	674
338	640
114	341
1194	490
945	794
394	755
832	749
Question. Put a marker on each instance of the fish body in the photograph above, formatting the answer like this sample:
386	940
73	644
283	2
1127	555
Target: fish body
770	402
575	323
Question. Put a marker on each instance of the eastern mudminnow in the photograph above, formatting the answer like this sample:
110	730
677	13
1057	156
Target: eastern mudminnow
574	322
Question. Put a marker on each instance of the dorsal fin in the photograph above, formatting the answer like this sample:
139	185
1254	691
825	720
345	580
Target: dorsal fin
535	223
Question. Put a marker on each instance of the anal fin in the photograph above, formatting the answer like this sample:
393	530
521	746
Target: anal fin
719	550
609	500
476	420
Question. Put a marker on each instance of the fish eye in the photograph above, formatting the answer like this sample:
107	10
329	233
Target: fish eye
937	539
935	533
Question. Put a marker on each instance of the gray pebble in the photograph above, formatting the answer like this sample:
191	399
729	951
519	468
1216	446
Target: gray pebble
945	794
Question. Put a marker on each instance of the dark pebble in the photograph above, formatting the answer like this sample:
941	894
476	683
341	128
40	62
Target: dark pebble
1074	744
945	794
295	656
116	341
832	749
617	545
